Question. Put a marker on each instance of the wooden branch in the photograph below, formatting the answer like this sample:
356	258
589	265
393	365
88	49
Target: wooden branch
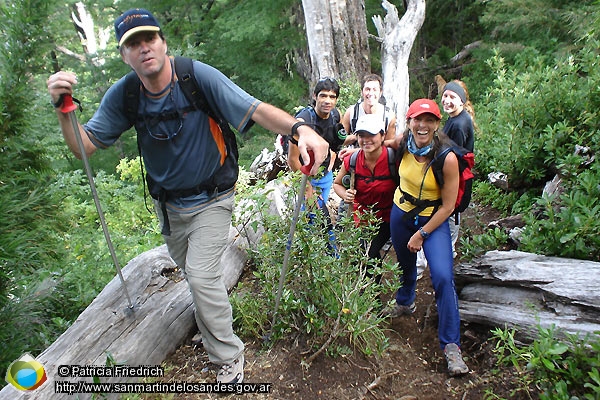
465	52
332	336
68	52
377	38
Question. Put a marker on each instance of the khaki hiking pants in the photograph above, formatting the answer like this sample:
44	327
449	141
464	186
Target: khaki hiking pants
196	244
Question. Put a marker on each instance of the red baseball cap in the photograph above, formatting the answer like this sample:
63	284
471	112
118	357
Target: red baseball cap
422	106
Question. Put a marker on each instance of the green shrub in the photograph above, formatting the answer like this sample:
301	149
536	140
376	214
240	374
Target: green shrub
57	259
563	367
328	301
533	122
533	119
569	227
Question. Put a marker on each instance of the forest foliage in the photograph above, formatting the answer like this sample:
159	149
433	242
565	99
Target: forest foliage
534	81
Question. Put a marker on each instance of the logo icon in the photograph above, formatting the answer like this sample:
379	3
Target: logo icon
26	373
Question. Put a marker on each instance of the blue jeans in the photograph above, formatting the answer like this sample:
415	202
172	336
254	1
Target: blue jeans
438	250
323	188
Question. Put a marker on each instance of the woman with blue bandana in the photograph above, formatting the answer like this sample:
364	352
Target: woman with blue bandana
419	220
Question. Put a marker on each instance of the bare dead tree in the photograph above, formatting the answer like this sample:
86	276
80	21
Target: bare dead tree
397	37
85	27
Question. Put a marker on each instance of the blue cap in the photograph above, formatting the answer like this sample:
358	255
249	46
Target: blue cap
134	21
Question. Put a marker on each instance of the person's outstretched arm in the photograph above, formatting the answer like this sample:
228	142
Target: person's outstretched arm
278	121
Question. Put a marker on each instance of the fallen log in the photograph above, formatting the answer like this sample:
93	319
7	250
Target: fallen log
522	290
162	320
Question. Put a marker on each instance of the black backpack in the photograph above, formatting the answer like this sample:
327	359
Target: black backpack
466	161
226	176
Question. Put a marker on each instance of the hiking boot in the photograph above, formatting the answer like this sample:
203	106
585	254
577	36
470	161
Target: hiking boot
387	246
456	365
397	310
232	373
197	339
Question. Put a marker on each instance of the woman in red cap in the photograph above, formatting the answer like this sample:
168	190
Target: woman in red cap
419	220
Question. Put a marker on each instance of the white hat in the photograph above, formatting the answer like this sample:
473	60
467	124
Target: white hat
371	123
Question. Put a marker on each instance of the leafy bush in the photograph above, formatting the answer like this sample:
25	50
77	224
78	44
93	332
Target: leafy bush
325	299
533	132
57	258
570	227
563	368
532	125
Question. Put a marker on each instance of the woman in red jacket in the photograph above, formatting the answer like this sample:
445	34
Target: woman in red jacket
374	181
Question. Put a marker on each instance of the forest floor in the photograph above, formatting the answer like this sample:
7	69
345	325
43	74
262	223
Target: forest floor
413	367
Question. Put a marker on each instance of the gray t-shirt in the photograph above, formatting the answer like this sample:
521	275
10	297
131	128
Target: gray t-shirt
193	150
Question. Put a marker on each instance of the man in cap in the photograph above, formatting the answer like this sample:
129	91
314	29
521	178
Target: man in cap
183	149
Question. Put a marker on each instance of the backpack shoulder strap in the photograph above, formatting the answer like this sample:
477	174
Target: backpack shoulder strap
311	111
187	81
393	167
335	114
353	158
131	98
386	118
184	68
399	153
437	164
354	117
313	115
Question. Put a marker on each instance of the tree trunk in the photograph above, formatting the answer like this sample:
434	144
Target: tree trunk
85	27
337	36
320	38
523	290
350	38
398	37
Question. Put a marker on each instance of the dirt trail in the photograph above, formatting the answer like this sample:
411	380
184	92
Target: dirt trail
413	367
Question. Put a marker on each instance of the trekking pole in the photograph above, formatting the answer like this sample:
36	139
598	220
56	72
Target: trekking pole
352	179
68	107
305	169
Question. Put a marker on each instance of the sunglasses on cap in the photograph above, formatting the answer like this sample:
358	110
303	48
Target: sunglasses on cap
327	79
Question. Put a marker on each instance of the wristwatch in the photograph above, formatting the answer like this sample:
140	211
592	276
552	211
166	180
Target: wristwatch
295	131
424	234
